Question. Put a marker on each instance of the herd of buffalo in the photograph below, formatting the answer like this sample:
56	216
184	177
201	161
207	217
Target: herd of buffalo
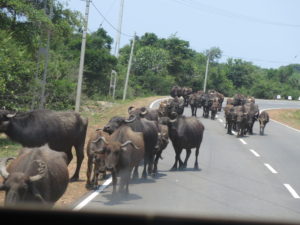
39	174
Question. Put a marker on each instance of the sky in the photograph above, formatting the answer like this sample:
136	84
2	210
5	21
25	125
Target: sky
264	32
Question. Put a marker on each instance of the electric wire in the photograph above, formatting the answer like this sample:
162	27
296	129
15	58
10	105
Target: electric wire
232	15
109	23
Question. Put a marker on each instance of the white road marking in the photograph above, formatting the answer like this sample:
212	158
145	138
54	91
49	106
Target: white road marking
254	153
158	100
270	168
220	120
244	142
93	195
291	190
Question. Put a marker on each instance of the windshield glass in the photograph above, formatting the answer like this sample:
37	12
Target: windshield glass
178	107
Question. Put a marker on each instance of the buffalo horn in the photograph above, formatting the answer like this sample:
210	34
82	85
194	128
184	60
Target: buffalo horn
101	138
42	171
130	120
129	142
3	171
144	111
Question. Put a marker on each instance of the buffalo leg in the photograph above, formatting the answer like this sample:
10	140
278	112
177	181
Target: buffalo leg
88	173
177	156
188	153
157	156
196	166
79	155
114	181
135	174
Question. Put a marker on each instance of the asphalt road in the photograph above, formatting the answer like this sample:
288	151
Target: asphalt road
255	177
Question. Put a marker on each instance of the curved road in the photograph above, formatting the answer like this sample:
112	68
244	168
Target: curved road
255	177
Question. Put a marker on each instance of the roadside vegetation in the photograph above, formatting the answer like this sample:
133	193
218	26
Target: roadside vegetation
290	117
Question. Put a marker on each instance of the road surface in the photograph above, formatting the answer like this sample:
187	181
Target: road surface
254	177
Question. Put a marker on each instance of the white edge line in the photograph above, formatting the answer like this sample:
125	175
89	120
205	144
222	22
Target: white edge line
280	122
93	195
244	142
254	153
270	168
291	190
154	102
106	183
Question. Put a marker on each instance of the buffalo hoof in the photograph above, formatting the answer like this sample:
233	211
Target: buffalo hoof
144	175
89	186
173	169
73	179
154	175
196	167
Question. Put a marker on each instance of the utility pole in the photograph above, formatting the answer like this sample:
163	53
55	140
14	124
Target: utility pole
43	98
128	69
206	72
113	76
81	64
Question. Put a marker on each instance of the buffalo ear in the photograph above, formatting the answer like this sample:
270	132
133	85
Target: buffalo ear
130	108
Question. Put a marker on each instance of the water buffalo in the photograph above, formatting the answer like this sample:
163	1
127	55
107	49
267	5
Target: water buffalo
94	159
150	114
37	175
253	112
163	141
123	152
214	108
229	117
195	102
61	130
185	133
176	91
186	92
150	135
241	120
175	105
263	119
206	102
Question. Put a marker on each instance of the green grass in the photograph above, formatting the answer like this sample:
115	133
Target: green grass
8	148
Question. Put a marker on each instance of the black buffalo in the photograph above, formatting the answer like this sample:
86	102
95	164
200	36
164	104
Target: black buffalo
61	130
38	175
185	133
121	153
263	119
150	132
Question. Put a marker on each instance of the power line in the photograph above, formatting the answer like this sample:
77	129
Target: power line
232	15
256	59
109	23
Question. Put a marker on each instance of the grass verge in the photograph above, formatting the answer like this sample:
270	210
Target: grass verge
290	117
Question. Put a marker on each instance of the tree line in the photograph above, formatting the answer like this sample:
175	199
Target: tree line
158	63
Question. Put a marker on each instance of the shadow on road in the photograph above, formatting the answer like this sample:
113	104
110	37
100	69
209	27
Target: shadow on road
119	198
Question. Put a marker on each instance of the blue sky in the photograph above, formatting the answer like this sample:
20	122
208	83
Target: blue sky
265	32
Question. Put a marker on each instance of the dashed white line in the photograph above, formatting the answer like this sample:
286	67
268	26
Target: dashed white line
254	153
244	142
291	190
270	168
93	195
